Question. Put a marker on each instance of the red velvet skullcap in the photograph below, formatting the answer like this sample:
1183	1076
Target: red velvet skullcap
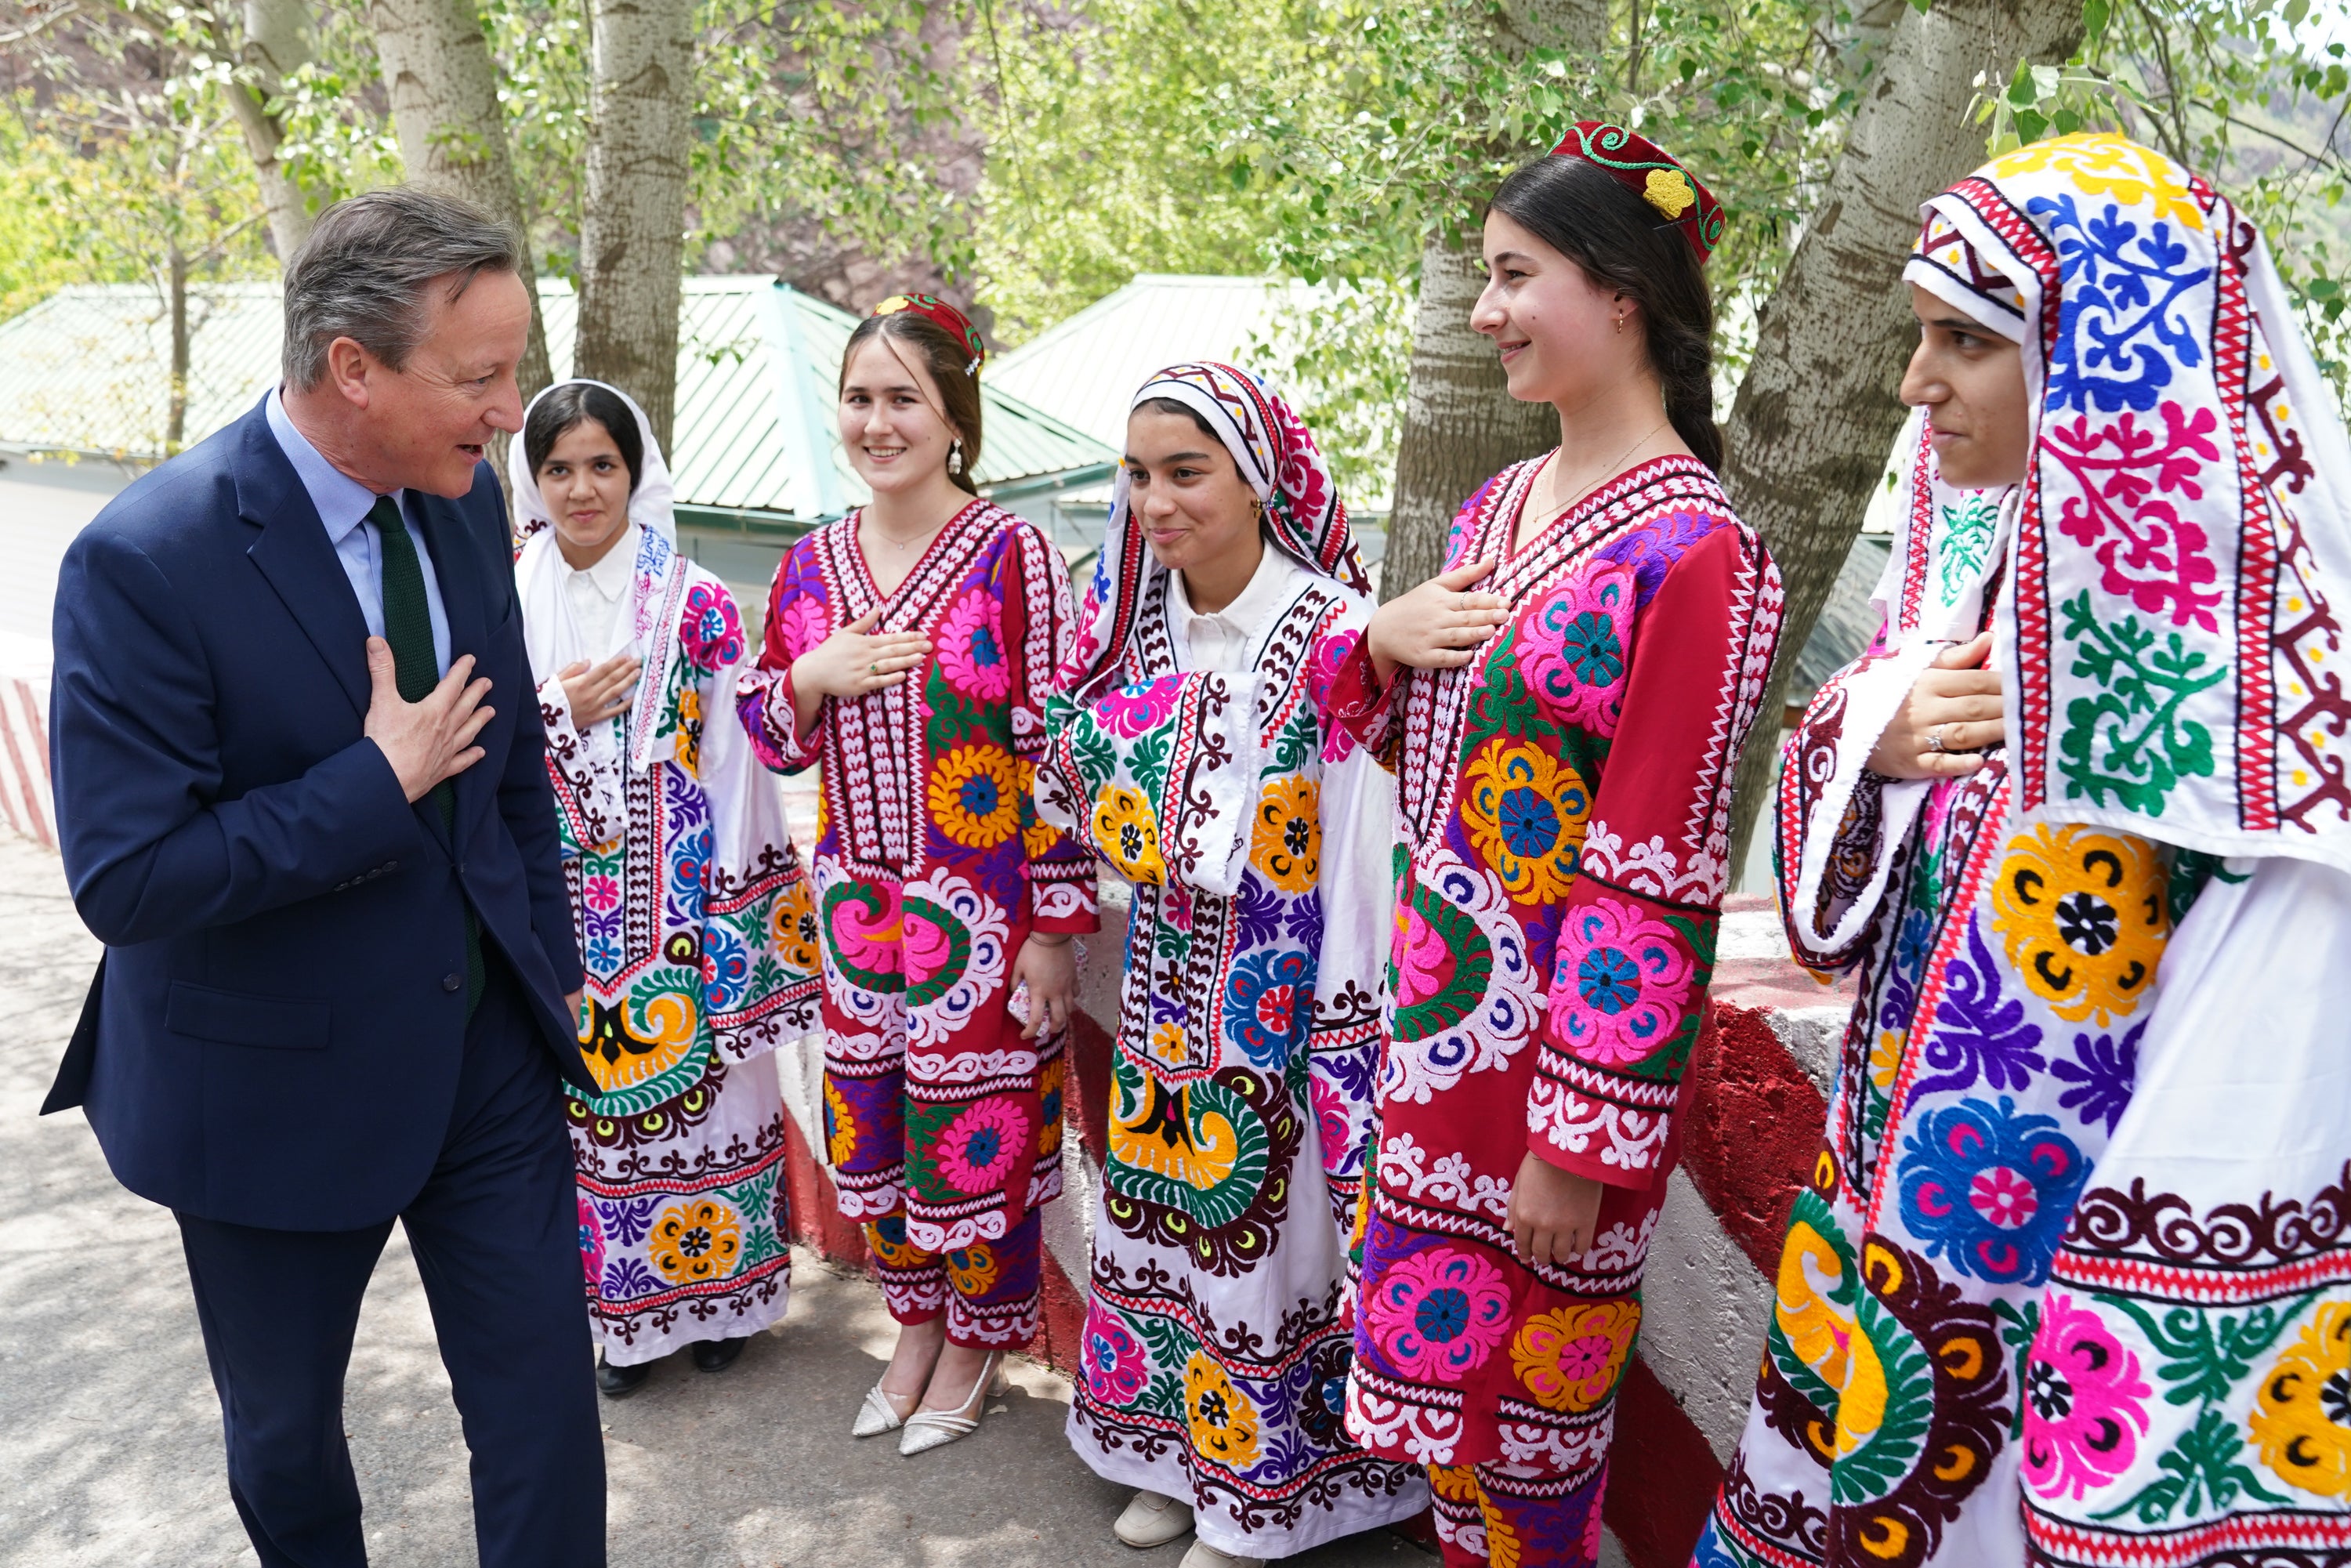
1652	173
938	312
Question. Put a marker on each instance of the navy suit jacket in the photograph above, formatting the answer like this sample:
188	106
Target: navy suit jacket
275	1035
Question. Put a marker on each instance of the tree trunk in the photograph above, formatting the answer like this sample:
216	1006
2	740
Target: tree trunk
274	47
175	416
1460	424
1816	413
436	68
632	236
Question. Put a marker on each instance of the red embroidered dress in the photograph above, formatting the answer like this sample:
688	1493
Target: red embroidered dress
943	1126
1565	807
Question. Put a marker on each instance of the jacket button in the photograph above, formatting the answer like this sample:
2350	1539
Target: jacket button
452	982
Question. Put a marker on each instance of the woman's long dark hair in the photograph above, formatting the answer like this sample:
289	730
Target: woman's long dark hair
1626	247
553	416
945	358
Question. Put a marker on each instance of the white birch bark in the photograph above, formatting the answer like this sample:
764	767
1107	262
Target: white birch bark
633	237
1460	423
276	46
1816	413
436	69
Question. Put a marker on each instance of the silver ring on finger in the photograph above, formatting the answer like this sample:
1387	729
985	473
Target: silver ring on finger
1935	739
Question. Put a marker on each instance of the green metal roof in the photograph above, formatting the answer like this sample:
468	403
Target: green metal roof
758	361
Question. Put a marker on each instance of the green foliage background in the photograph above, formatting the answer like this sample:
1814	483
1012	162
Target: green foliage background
1318	140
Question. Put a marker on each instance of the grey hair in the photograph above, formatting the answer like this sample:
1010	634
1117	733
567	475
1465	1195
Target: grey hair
363	272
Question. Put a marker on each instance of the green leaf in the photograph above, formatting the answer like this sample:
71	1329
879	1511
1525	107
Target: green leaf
2095	14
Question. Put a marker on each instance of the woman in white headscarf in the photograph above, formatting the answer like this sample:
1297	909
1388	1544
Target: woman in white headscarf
1196	754
694	922
2071	1281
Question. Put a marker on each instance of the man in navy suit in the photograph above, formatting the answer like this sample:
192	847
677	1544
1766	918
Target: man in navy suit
302	800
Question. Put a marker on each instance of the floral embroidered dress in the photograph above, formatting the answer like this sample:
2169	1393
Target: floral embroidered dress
1566	806
943	1126
1248	1046
2069	1283
696	930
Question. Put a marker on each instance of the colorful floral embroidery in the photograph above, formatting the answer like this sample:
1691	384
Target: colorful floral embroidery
1115	1366
592	1242
1128	834
971	1269
1570	1360
1286	841
971	647
1526	811
975	796
1223	1422
2082	915
839	1127
1622	983
1990	1190
709	630
1267	1004
1134	711
2102	1073
981	1145
1437	1314
2084	1402
1573	649
696	1241
2301	1416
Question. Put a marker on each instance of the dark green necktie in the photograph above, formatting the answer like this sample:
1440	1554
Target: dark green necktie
408	627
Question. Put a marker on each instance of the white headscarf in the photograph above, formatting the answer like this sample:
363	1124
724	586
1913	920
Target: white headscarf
550	631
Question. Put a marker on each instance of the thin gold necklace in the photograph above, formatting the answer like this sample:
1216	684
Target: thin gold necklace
1609	471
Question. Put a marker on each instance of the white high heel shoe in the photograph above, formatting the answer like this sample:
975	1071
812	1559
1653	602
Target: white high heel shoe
878	1414
928	1430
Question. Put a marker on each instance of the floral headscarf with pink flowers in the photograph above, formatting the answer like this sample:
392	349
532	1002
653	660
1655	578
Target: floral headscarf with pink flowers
1276	455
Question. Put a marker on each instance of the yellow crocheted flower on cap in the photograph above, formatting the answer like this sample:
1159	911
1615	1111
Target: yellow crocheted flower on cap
1668	190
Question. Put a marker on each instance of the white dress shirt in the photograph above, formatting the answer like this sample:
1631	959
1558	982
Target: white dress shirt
343	504
595	596
1221	641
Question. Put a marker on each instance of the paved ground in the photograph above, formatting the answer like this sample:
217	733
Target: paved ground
114	1437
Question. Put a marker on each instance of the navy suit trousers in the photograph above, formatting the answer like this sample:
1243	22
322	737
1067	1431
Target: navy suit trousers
496	1237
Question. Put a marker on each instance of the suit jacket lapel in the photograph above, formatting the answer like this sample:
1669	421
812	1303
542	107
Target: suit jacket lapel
293	552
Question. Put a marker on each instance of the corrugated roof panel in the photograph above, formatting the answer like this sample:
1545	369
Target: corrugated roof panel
88	367
1085	370
756	367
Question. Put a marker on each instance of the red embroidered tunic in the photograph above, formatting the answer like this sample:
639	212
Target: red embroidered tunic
1565	802
931	869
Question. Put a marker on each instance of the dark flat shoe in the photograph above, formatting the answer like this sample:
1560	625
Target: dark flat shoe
620	1381
717	1354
